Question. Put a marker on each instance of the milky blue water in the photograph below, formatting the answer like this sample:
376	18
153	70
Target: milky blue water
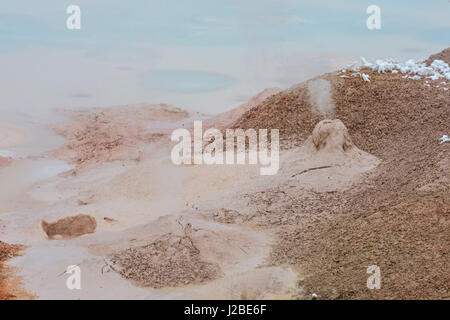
202	55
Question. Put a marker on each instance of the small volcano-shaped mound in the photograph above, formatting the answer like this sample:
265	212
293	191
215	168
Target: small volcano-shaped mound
70	227
330	144
331	135
329	161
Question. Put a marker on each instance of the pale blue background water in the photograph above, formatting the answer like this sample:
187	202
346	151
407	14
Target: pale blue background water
206	55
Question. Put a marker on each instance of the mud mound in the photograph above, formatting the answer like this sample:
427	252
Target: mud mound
444	55
170	261
332	136
70	227
330	146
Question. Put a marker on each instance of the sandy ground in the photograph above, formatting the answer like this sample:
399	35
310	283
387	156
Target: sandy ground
369	187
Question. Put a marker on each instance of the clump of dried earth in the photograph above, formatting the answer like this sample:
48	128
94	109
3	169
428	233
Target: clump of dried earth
397	217
70	227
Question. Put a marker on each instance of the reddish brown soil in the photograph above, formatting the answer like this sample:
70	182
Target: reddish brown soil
397	218
9	284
